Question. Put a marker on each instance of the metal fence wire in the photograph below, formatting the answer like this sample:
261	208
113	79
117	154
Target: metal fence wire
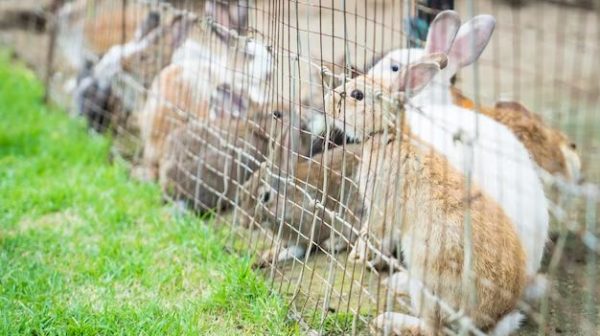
392	167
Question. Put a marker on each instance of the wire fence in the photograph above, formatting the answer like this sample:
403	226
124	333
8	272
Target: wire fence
378	186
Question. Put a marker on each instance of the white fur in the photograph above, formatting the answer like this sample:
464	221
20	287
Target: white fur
437	92
197	61
536	288
573	163
110	64
192	50
70	33
498	163
393	323
508	324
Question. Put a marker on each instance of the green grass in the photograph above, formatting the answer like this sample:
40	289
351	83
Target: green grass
86	250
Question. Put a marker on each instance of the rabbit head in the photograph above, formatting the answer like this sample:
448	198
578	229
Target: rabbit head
359	108
201	168
154	45
291	202
462	44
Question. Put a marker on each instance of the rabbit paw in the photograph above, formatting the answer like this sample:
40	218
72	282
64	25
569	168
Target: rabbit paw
335	245
273	256
398	282
145	174
398	324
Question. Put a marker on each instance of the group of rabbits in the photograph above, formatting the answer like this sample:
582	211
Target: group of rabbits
394	163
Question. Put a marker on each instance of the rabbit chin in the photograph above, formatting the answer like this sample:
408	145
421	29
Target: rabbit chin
318	127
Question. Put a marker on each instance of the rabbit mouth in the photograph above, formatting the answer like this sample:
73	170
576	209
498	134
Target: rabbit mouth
337	138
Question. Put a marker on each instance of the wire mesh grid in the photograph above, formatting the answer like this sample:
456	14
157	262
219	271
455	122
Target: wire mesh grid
364	202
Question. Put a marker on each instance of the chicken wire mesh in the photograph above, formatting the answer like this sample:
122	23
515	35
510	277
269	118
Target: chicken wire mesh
371	202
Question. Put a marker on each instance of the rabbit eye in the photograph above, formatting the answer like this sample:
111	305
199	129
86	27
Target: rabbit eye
266	196
277	114
395	68
357	94
573	145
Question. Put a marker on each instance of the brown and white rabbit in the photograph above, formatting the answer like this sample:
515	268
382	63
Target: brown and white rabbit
199	87
141	58
420	203
197	91
316	204
96	26
206	161
551	149
475	144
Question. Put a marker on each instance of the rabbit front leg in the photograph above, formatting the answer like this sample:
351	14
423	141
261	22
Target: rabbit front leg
277	255
390	323
335	244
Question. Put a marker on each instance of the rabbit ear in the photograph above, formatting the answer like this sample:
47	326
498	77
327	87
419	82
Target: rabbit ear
180	28
238	15
151	22
230	14
471	40
415	78
442	32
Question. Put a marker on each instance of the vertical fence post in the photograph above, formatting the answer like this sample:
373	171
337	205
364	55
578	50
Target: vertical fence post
123	21
52	34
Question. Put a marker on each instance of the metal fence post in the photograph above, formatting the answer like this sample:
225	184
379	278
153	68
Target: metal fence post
52	34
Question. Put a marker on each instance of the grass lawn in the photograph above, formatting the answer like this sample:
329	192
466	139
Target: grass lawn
86	250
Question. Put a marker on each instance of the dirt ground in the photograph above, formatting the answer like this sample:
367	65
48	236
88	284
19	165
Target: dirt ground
542	54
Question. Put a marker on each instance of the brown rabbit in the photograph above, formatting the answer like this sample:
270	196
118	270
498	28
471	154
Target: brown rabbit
418	202
550	148
316	204
206	161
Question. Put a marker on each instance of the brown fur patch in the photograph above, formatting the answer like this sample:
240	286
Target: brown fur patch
542	141
106	28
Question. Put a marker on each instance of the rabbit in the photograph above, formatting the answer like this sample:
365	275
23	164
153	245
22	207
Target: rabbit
418	201
331	75
230	20
302	207
205	161
446	35
178	93
80	34
550	148
359	128
476	144
142	58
